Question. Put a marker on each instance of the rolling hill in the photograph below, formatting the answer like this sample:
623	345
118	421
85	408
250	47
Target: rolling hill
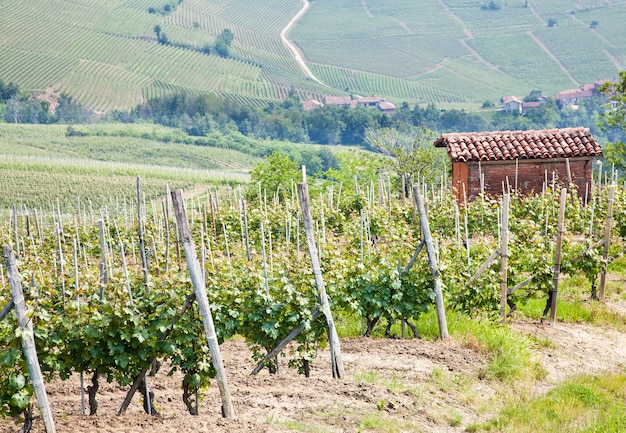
105	53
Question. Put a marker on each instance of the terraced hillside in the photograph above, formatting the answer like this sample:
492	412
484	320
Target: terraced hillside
105	53
474	50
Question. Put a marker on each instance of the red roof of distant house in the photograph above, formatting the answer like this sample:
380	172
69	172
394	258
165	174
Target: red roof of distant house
386	106
511	145
337	100
573	94
370	99
532	104
509	99
311	104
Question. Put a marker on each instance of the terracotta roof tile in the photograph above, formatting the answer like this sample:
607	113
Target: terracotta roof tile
511	145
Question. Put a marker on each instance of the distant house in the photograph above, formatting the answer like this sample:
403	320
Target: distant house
530	106
511	104
519	160
340	101
377	102
311	104
571	97
347	102
386	107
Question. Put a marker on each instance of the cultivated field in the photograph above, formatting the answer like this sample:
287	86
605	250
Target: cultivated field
105	53
103	306
40	164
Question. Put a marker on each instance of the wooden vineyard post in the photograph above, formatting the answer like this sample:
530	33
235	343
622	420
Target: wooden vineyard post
104	273
504	254
28	340
432	262
557	255
203	302
333	339
607	239
142	247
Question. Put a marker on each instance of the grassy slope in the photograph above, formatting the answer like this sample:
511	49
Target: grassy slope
104	53
39	165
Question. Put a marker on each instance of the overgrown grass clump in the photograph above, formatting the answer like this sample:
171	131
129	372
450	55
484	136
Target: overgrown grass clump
508	352
582	404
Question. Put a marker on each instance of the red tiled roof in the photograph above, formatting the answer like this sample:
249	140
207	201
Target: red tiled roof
386	105
311	104
337	100
370	99
573	94
532	104
511	145
509	99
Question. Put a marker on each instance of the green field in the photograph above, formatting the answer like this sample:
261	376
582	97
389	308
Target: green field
40	164
453	53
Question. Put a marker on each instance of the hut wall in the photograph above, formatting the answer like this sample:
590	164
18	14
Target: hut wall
531	175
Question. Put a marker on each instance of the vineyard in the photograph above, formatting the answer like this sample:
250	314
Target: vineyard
109	292
106	54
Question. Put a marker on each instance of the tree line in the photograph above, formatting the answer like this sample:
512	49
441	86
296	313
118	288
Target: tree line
204	115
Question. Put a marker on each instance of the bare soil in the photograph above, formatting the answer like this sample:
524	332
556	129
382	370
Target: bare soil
390	385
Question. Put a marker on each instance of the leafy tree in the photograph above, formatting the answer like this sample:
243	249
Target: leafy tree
552	22
491	6
7	91
355	165
593	24
615	118
227	36
274	175
411	152
221	48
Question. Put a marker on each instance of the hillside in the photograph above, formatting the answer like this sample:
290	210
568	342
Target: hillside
108	55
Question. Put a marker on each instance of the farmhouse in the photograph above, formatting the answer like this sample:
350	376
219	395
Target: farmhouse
521	161
375	102
511	104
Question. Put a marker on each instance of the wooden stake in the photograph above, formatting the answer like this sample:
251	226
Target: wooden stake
504	255
607	239
557	255
142	247
203	302
432	262
245	225
28	340
333	339
104	275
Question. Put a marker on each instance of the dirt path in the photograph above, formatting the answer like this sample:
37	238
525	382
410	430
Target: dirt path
297	54
553	57
415	385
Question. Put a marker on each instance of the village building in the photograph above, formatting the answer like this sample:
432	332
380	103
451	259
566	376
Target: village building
311	104
374	102
520	161
511	104
340	101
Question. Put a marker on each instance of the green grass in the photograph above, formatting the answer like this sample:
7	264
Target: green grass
581	404
509	352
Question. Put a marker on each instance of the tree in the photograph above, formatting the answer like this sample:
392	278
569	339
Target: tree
614	118
275	175
221	49
227	36
411	152
552	22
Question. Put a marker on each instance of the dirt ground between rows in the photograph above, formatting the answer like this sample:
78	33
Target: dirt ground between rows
389	385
